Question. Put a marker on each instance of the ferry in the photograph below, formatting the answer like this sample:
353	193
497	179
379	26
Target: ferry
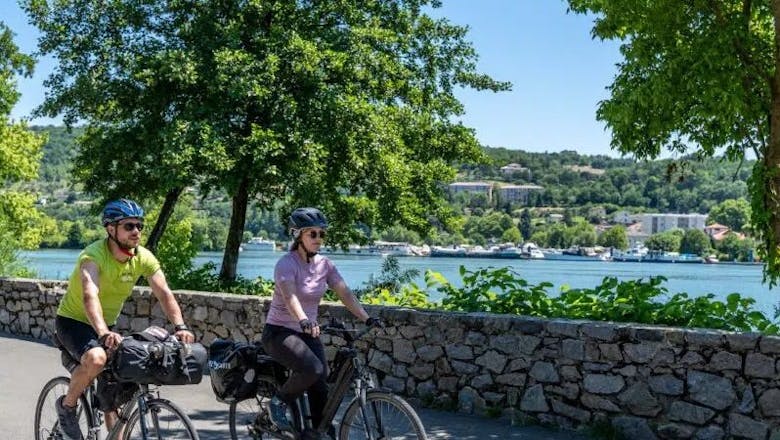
377	249
259	244
576	253
637	253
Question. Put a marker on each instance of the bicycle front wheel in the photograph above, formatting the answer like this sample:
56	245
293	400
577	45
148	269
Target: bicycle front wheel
163	420
47	425
386	416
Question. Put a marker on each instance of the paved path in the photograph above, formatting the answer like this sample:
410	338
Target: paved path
28	364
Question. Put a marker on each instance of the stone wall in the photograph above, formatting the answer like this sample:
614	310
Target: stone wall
650	382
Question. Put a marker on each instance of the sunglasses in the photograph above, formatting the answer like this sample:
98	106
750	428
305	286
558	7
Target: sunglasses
129	226
314	234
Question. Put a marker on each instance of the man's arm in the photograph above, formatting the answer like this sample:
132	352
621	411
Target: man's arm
169	305
90	286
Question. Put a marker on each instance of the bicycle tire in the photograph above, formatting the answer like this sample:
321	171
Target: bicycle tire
244	413
389	417
156	428
46	422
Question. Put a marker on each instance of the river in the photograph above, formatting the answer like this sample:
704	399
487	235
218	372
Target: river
695	279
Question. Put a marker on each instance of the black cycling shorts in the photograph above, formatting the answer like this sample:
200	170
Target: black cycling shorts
76	336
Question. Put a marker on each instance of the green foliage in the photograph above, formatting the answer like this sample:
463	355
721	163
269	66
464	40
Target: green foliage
695	242
22	225
206	279
614	237
266	101
177	248
391	278
667	241
698	77
640	301
733	213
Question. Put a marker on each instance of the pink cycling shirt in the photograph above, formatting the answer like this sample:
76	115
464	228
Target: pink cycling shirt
311	281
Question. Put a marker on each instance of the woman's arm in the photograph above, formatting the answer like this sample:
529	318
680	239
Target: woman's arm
349	300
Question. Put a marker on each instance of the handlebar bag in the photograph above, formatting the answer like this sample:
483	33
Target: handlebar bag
155	357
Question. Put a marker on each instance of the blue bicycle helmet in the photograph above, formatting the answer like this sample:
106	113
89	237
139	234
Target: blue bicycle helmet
303	218
119	209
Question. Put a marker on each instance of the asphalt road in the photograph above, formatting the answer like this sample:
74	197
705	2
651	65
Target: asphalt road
28	364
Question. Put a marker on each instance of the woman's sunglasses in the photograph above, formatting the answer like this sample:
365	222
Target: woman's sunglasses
314	234
129	226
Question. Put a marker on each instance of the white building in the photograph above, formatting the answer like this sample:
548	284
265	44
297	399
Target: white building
512	168
516	193
623	217
472	187
655	223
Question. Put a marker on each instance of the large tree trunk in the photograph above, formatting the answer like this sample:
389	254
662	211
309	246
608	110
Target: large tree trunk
162	221
235	233
771	162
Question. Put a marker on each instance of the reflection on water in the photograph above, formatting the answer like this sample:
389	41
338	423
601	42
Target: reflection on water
695	279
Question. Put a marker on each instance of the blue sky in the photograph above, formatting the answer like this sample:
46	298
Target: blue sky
559	73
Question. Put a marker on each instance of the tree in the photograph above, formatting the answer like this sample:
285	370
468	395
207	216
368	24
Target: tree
733	213
21	225
512	235
667	241
348	106
695	242
614	237
700	76
526	227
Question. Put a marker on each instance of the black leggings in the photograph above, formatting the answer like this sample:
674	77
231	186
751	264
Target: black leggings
304	356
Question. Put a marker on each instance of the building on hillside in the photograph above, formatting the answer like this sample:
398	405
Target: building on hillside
472	187
635	234
585	169
554	218
513	169
655	223
516	193
624	218
718	232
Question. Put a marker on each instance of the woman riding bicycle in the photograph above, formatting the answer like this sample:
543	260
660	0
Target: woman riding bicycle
291	334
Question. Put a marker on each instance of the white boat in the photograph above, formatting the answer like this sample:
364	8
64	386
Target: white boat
531	251
455	251
378	249
259	244
576	253
637	253
672	257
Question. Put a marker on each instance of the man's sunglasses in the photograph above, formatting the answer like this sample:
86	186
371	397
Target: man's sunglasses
313	234
129	226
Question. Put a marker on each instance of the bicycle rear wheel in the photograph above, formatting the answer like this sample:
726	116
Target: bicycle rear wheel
387	416
246	416
164	420
47	425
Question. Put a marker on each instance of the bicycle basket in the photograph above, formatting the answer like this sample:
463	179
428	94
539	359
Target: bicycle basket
232	367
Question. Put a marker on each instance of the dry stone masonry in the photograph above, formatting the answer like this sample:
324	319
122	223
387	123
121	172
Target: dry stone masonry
648	382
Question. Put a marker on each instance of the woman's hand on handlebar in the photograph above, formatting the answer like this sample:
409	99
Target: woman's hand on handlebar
110	340
310	328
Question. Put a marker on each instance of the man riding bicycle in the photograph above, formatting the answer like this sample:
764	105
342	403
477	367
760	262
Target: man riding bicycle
102	280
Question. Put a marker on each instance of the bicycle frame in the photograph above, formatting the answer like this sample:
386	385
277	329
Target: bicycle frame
96	414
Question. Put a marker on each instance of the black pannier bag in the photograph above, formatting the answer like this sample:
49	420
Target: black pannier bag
112	394
155	357
233	369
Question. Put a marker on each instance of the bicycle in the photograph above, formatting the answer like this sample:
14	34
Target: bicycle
145	416
373	413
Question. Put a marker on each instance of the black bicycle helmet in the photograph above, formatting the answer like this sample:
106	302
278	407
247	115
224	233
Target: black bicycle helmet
303	218
119	209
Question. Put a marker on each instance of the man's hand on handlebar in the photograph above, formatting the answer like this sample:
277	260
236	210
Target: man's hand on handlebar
184	334
110	340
